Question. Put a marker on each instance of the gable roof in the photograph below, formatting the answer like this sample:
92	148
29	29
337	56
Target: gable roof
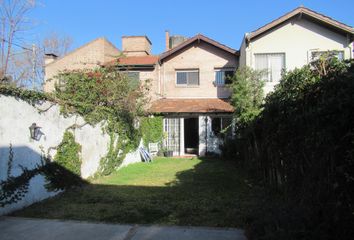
81	47
198	37
302	11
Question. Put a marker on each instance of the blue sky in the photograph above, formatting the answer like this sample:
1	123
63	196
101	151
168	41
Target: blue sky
223	20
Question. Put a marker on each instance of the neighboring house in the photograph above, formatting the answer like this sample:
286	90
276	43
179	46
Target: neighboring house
292	41
88	56
189	80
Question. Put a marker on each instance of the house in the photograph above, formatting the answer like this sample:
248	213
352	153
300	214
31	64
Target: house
189	80
188	87
293	40
88	56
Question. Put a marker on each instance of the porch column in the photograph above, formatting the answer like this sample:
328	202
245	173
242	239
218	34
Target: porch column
204	134
181	136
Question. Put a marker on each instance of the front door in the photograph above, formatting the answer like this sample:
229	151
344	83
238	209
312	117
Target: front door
191	135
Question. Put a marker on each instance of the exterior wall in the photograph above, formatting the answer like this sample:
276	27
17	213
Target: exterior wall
297	39
152	77
17	116
88	56
200	56
136	46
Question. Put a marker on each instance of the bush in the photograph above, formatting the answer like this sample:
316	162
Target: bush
68	154
151	129
302	144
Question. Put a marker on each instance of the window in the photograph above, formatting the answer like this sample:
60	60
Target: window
272	64
315	55
134	79
223	76
187	77
221	125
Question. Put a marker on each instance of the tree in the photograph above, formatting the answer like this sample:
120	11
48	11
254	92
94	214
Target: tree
28	67
247	94
13	24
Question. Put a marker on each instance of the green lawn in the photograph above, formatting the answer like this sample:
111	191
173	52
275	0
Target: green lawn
198	192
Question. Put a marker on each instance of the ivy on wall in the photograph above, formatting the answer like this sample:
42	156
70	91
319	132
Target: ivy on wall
68	154
30	96
151	129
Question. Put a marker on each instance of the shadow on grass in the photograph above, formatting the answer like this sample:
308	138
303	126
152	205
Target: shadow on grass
213	193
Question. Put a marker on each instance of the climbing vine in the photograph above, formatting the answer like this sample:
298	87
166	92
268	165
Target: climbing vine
151	129
68	154
30	96
105	95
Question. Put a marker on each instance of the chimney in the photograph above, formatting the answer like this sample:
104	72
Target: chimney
167	40
49	58
136	46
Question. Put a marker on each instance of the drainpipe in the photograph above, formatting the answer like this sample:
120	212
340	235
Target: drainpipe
159	80
206	135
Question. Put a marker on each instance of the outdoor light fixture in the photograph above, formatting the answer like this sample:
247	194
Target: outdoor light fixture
34	131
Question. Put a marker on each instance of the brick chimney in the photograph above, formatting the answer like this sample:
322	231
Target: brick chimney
49	58
136	46
167	40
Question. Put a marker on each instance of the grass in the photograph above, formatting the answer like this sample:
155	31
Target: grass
197	192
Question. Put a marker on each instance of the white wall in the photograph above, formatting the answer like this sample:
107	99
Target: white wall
297	39
16	118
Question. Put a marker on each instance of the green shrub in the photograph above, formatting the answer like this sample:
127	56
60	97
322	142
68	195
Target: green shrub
302	144
68	154
151	129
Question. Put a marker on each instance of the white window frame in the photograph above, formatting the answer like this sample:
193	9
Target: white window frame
216	70
311	52
187	70
269	74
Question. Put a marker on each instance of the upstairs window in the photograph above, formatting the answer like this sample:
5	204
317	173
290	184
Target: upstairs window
271	64
223	76
187	77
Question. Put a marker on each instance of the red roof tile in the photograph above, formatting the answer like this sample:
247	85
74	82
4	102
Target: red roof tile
203	105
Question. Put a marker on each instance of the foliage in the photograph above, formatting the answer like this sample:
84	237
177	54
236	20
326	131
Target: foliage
302	144
10	160
105	95
30	96
68	154
14	188
247	94
152	129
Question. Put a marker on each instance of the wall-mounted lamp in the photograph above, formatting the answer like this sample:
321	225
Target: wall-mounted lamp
34	131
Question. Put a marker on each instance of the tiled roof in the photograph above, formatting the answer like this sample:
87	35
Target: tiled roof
308	12
198	37
202	105
136	60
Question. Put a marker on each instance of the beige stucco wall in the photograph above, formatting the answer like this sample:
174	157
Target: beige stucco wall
200	56
88	56
297	39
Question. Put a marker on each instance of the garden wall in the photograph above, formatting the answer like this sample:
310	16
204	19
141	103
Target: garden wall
16	118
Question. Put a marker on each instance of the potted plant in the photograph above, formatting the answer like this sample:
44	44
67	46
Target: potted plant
166	152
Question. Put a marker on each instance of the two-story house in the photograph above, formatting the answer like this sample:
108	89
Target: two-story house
293	40
189	79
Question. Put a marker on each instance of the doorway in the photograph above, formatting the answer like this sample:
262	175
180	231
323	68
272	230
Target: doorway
191	135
